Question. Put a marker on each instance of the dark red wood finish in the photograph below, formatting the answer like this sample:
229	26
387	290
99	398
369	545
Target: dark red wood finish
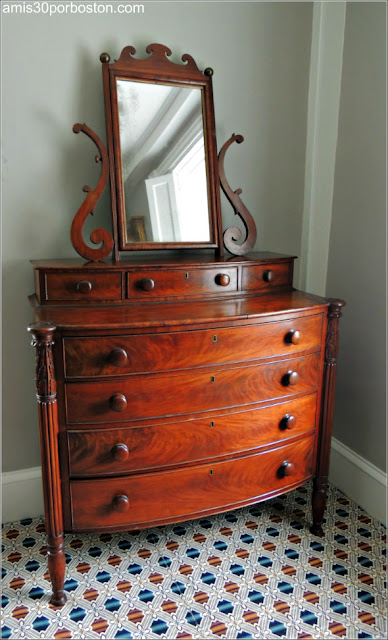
98	236
164	394
172	496
232	234
122	450
327	412
46	395
111	356
268	276
173	407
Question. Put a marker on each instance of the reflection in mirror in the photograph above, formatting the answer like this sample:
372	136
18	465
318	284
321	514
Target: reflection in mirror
163	162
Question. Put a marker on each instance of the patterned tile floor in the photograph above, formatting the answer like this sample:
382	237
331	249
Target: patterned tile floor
252	573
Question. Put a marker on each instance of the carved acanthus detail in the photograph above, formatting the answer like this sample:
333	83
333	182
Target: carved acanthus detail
42	339
332	335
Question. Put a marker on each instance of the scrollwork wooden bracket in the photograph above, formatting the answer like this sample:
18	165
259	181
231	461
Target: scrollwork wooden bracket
233	234
87	207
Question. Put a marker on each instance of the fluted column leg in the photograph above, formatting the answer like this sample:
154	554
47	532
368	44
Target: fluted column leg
46	394
326	418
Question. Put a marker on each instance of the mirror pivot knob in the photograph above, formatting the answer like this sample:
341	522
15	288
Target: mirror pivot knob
147	284
222	279
84	286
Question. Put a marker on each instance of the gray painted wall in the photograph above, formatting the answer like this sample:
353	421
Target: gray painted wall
52	78
356	269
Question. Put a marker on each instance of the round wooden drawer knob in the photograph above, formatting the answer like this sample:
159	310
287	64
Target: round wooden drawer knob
120	452
288	421
147	284
118	357
268	275
120	503
118	402
286	469
222	279
292	337
84	286
290	378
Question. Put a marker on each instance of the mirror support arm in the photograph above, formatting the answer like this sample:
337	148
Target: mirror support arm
232	234
93	195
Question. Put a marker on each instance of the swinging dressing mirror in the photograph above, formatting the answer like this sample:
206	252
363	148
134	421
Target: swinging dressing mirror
162	150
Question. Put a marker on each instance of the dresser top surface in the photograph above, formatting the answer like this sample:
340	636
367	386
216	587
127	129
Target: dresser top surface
170	314
144	260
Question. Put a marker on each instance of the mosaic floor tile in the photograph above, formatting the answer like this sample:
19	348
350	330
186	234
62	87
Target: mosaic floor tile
252	573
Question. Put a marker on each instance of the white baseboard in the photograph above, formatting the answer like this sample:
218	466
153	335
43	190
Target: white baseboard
359	479
356	477
22	494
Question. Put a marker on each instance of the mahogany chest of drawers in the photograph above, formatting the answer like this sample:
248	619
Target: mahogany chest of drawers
174	389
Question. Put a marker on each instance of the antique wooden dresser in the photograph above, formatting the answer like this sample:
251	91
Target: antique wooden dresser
173	387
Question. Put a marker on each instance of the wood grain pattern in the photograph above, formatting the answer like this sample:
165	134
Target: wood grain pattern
74	286
181	282
266	277
89	357
184	392
129	449
109	318
157	498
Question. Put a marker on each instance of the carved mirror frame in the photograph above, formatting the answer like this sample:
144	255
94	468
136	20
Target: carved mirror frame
158	69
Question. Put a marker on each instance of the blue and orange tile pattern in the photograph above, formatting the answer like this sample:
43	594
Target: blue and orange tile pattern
252	573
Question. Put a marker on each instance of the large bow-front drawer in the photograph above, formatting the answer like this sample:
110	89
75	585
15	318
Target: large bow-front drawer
105	356
96	452
184	392
170	496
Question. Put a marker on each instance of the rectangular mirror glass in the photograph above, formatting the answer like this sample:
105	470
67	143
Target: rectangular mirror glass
163	163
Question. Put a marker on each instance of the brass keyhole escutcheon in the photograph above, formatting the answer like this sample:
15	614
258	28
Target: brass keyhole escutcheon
211	472
213	378
215	338
187	275
212	423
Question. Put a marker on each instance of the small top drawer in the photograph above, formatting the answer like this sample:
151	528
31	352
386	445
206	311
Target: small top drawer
267	276
83	286
181	282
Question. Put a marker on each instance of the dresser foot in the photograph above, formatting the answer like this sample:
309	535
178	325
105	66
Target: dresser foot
316	530
318	505
57	567
58	599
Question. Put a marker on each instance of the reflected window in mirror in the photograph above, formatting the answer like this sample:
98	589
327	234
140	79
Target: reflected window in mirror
163	162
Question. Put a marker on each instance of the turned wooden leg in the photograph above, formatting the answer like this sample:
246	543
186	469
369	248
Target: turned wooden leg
326	418
46	394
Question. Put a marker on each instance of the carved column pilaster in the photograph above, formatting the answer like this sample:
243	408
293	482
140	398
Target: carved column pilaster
326	418
46	394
